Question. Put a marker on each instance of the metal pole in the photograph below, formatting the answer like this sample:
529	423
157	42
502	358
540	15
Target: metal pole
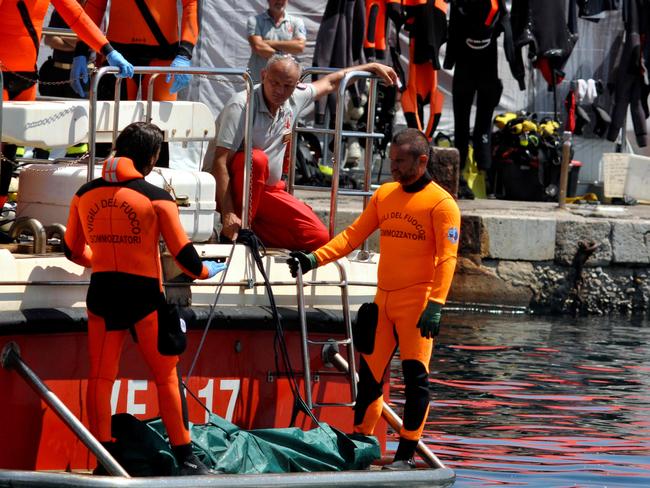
10	359
300	295
248	150
388	413
347	321
370	143
92	116
564	168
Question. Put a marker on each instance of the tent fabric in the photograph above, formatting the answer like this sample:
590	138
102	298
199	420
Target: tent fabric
225	447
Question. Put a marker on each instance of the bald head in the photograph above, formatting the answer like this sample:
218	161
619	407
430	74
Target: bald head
279	79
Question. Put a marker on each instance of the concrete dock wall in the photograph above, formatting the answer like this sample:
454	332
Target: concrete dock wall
586	259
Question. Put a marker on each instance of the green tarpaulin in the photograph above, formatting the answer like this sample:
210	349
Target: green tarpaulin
229	449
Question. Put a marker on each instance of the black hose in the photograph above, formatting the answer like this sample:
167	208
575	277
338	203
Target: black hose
248	238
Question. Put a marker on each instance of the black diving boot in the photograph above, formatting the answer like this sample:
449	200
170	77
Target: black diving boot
403	460
188	462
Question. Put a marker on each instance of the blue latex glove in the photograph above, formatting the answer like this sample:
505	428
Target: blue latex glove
180	81
429	323
115	59
79	73
214	268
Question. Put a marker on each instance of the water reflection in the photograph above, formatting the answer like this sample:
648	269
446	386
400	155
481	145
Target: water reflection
529	401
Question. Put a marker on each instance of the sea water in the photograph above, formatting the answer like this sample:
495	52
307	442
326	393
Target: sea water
519	400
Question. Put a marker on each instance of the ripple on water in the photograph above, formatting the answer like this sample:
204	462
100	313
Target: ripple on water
543	402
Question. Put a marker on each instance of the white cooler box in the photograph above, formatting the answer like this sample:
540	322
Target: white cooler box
45	192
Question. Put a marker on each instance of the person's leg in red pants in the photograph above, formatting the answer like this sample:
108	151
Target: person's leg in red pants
258	180
284	221
278	218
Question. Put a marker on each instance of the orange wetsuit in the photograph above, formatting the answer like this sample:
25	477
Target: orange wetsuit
21	24
114	227
149	37
426	21
419	230
374	42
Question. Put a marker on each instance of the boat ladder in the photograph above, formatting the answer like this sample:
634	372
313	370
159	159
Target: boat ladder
338	155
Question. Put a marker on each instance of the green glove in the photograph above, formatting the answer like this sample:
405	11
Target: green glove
307	262
429	323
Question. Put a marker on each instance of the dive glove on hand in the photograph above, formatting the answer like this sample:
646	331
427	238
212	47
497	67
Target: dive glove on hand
79	74
115	59
214	268
307	262
429	323
180	81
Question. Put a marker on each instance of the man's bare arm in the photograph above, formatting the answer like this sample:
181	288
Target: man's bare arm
60	43
229	219
261	47
294	46
328	84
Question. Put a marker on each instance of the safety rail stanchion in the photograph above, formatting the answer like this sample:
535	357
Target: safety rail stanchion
368	156
116	110
330	353
159	70
10	359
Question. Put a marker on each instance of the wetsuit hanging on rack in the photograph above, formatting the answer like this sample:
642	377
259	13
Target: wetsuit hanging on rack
377	14
474	27
426	22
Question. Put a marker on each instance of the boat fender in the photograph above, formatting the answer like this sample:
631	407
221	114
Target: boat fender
365	327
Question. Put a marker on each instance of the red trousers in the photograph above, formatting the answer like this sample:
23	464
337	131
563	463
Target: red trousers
277	217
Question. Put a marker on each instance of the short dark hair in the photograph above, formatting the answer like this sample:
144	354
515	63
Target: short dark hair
417	142
139	141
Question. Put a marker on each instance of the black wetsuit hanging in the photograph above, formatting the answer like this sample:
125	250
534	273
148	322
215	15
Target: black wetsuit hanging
474	27
538	25
339	44
631	87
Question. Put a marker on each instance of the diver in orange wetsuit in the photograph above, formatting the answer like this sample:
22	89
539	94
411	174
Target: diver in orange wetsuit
21	24
419	226
147	31
114	228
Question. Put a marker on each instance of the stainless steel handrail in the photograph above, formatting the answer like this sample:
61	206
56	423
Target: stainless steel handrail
338	134
158	70
306	342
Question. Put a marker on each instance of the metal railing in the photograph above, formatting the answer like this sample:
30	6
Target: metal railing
157	71
338	134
